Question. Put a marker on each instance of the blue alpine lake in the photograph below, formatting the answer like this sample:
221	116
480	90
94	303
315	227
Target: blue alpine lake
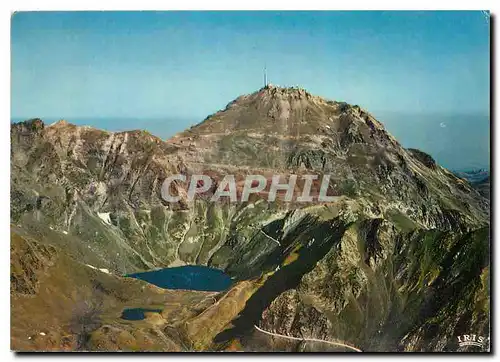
191	277
137	314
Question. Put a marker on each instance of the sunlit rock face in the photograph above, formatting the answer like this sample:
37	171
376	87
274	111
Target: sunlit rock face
398	260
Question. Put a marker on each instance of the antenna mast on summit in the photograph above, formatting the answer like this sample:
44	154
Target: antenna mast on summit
265	76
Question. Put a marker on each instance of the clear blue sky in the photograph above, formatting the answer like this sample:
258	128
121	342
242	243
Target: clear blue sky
186	65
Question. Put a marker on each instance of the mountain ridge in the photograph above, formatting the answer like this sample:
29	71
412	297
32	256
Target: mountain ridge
393	203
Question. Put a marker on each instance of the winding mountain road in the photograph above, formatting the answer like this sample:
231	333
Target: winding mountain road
339	344
270	237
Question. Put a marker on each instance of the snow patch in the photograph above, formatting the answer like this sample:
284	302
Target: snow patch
104	270
105	217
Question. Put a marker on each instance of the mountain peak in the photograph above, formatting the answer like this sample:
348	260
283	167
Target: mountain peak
292	90
34	124
60	123
291	113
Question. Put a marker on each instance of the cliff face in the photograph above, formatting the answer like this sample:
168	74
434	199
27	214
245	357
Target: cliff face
398	261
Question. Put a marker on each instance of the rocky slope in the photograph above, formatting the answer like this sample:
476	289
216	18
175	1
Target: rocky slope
479	179
58	303
399	261
484	187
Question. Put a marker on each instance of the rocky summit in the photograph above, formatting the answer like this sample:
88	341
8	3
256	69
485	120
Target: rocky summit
398	261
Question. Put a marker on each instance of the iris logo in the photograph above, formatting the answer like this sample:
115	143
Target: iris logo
471	340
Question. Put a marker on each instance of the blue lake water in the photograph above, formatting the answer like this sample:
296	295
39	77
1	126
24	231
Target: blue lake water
192	277
136	314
